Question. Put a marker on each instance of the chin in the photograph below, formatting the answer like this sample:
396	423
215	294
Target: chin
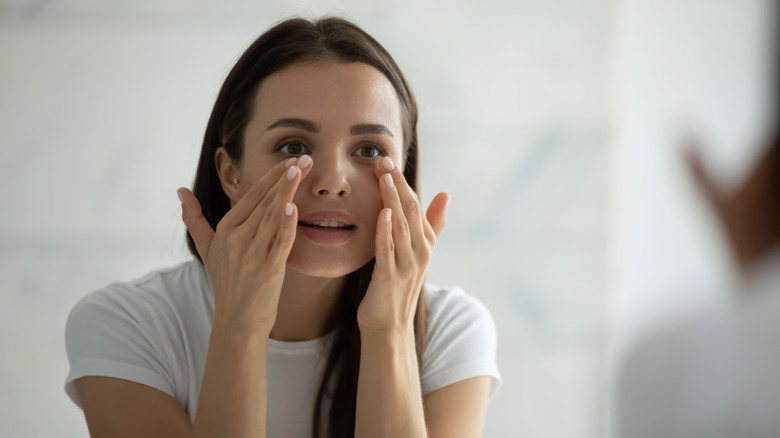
325	267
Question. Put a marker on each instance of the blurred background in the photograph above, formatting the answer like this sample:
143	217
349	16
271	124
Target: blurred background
555	125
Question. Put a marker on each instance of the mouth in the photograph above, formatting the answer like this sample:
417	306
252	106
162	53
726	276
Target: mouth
327	225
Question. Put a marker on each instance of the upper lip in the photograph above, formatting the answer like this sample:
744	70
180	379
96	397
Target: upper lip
327	216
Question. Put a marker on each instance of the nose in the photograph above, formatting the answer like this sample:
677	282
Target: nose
329	177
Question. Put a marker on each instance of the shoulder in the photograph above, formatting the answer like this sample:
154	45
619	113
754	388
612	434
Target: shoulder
134	330
461	339
157	291
453	310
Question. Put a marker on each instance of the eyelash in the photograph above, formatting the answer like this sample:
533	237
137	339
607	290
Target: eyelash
380	150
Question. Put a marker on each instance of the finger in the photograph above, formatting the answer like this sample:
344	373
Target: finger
385	249
246	205
408	200
286	186
284	195
197	225
436	214
280	245
400	226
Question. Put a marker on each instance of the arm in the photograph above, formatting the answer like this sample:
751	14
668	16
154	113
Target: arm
390	402
457	410
232	398
389	398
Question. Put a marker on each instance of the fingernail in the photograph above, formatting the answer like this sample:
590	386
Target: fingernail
388	163
179	195
291	173
304	161
290	162
388	214
388	180
288	209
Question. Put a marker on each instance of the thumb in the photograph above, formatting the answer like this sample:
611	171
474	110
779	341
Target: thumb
197	225
436	212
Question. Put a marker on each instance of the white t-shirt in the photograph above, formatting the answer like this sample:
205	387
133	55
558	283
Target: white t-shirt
155	330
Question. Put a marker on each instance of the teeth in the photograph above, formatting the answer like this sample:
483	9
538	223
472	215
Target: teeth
327	224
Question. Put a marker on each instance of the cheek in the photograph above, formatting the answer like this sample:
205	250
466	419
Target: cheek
371	197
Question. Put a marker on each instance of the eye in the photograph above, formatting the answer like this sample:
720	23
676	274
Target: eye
370	151
293	148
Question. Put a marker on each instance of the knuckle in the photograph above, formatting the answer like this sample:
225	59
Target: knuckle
412	207
232	240
404	227
251	264
405	263
388	248
425	253
266	202
281	239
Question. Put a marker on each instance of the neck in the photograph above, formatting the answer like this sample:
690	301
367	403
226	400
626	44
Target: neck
305	304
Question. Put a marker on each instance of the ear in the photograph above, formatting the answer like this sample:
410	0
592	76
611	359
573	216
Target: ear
227	172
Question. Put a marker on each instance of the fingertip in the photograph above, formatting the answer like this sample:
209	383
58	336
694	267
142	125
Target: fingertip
292	172
305	170
290	162
387	179
304	161
387	164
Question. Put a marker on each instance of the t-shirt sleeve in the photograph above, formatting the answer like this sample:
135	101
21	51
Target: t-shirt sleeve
110	334
461	341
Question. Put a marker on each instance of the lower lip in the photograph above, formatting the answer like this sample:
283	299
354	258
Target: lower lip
326	236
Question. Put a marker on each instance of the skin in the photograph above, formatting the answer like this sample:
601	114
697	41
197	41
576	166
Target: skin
335	97
271	282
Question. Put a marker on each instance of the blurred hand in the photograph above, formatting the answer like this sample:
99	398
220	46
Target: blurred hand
749	214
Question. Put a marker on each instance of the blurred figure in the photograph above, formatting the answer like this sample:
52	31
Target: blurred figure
718	374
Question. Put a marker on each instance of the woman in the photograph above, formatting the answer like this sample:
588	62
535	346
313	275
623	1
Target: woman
304	313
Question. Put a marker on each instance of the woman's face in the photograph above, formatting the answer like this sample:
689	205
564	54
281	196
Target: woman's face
347	117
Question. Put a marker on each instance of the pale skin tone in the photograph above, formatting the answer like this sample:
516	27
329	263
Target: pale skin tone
346	119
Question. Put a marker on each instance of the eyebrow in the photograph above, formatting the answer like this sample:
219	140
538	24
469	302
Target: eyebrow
308	125
291	122
370	128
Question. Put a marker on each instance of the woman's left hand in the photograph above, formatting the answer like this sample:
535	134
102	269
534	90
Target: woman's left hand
404	243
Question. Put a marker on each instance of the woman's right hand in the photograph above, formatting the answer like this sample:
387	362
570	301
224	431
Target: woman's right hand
247	255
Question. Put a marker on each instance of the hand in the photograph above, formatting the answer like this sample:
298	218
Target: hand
750	213
247	255
404	245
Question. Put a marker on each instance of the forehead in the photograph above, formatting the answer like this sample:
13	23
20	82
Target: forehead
330	93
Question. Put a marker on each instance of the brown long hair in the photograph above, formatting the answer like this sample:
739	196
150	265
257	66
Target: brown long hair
290	41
